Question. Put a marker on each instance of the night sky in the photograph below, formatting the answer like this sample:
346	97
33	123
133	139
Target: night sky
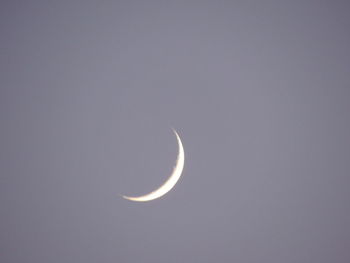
259	92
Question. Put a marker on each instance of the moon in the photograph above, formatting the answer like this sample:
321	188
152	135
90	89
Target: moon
170	183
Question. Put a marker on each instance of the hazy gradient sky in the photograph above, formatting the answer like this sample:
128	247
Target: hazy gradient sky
259	92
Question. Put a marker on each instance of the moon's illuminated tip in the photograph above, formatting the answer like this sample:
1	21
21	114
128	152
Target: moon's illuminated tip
126	197
170	183
136	199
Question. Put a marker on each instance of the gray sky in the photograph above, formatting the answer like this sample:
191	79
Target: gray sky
258	91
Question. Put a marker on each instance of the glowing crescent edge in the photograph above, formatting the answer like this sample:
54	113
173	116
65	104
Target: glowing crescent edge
170	183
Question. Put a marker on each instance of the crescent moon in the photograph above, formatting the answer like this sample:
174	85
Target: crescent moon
170	183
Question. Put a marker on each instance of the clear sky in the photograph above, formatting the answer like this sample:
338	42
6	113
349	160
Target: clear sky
259	92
